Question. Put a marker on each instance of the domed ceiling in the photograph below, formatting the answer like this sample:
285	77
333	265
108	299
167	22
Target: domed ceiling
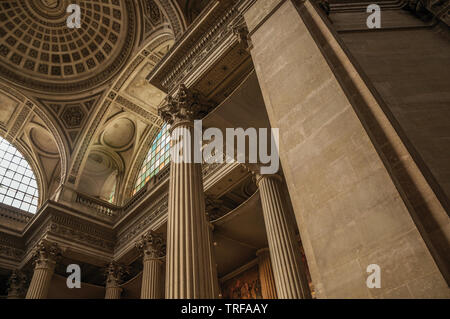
38	51
67	94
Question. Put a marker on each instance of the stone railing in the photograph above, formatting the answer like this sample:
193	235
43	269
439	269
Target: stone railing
102	207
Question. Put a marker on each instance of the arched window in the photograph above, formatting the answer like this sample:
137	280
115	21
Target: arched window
112	196
18	187
157	158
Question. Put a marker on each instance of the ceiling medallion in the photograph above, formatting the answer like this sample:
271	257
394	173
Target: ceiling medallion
39	52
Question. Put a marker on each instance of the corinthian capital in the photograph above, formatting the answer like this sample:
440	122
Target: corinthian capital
152	245
17	284
185	105
114	274
46	254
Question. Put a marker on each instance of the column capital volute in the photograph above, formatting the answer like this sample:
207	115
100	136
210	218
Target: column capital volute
152	245
184	106
46	254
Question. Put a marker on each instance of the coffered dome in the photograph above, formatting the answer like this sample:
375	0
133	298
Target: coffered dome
38	50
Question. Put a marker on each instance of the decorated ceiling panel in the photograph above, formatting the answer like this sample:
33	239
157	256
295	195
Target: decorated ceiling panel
38	50
87	83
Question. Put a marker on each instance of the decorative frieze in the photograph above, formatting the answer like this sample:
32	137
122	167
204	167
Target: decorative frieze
157	210
11	252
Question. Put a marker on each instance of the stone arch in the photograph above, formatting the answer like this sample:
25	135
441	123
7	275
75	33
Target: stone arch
20	118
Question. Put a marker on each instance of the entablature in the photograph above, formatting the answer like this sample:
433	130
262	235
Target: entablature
212	56
85	226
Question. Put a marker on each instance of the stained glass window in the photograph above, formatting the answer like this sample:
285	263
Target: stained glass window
157	158
18	187
112	196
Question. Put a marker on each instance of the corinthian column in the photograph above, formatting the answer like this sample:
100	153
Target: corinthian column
45	257
284	251
188	269
114	273
153	248
268	289
16	285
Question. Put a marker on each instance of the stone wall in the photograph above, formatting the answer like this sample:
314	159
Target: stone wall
349	211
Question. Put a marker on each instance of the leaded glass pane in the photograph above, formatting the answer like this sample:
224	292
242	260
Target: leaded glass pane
18	186
156	159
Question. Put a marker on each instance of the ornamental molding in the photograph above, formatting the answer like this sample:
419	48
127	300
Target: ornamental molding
136	109
158	209
11	253
194	46
76	235
176	22
14	214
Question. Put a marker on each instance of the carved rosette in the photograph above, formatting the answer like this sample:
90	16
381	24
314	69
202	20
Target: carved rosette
185	106
17	284
114	273
152	245
46	254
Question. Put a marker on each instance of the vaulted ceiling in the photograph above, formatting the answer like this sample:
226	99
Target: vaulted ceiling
75	101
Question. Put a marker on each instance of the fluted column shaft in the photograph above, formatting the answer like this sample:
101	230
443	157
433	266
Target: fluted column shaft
113	292
40	283
152	279
268	288
284	252
45	255
188	270
153	248
114	273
